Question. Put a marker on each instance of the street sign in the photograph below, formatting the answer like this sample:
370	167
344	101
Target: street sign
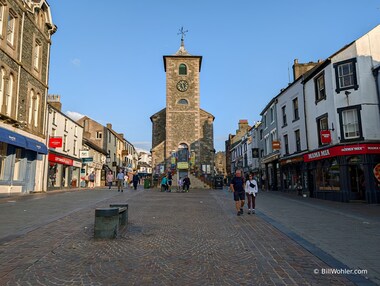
84	154
87	160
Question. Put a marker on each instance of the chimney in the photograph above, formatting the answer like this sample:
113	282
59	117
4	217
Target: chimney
300	69
55	101
109	125
243	123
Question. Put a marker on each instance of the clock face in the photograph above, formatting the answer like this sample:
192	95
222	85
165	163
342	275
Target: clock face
182	85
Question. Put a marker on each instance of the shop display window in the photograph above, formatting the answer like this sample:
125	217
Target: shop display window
3	157
328	175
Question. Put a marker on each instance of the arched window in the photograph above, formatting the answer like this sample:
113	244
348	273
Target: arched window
31	104
182	69
2	74
183	101
36	109
9	96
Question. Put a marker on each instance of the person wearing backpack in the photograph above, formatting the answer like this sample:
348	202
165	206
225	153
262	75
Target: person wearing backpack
251	191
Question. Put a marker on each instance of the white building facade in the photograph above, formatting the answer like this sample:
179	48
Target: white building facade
65	143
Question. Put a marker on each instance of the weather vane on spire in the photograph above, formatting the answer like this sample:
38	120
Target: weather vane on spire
183	33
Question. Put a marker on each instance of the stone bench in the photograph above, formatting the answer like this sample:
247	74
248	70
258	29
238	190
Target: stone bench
109	220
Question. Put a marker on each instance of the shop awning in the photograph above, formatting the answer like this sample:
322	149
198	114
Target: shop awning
19	140
35	145
12	138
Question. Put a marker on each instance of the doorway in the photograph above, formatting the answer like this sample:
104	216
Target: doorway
356	178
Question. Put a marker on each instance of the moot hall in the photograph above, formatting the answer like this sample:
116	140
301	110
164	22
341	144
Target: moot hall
182	133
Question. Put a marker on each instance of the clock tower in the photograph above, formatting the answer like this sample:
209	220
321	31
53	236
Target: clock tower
182	133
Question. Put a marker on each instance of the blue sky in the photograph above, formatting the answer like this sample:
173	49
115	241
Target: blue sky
106	57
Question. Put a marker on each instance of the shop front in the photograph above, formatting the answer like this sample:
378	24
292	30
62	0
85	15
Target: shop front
21	163
292	175
270	177
63	172
345	173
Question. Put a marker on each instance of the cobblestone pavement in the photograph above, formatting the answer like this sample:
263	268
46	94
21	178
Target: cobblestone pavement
172	239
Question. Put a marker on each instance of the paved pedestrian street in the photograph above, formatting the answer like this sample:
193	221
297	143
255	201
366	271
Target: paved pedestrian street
190	238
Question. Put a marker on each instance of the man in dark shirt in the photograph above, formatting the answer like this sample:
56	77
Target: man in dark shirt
237	187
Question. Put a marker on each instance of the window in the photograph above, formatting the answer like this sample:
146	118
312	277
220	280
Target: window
284	123
350	122
64	145
295	109
75	147
2	74
298	140
322	124
182	69
286	144
37	55
271	115
17	164
76	131
261	134
345	75
36	110
11	29
9	96
183	101
53	132
265	121
99	135
320	90
65	125
54	118
1	18
31	104
327	175
3	158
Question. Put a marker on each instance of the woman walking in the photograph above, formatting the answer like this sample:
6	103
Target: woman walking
251	191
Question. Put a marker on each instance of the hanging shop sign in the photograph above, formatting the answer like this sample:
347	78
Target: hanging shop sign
276	145
325	136
84	154
55	142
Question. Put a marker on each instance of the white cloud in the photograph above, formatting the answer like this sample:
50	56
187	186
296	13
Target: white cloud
144	146
75	62
74	115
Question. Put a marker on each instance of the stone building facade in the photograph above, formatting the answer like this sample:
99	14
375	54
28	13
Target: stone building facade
26	29
182	133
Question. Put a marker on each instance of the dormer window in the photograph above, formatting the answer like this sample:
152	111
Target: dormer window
182	69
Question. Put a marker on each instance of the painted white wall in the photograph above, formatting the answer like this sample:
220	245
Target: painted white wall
286	99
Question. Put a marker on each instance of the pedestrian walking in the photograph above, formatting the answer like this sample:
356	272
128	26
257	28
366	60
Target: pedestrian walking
135	180
91	179
120	180
126	179
170	180
251	190
180	182
86	179
237	187
186	184
164	183
109	179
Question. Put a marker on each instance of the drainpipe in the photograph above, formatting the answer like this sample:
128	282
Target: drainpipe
375	73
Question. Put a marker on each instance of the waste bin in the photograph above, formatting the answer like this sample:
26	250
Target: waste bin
218	182
146	184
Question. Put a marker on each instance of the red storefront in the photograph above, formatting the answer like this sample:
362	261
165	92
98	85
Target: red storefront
345	173
64	172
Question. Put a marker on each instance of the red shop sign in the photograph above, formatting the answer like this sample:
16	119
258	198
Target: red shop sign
354	149
60	160
325	136
55	142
